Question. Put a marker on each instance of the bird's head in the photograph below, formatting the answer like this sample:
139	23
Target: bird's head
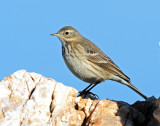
68	34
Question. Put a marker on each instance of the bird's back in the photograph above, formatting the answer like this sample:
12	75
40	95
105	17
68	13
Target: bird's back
97	56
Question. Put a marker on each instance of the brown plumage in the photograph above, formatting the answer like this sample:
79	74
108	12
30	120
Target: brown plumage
87	62
101	59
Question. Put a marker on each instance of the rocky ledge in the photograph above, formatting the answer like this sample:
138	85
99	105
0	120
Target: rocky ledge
29	99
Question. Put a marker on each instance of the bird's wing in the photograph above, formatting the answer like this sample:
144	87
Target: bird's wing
96	56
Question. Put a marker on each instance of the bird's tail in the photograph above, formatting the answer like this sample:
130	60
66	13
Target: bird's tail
137	90
127	83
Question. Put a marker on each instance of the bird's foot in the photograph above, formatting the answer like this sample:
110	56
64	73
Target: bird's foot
87	94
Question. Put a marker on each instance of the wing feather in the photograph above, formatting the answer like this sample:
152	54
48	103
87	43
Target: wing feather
96	56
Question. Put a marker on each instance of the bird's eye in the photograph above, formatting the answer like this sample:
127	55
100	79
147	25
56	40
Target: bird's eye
66	33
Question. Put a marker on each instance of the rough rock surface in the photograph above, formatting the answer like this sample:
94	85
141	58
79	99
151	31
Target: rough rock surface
29	99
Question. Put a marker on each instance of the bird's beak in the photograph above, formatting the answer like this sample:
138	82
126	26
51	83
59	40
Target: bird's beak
58	35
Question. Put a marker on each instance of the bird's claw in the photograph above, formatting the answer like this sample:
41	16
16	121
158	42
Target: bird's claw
84	94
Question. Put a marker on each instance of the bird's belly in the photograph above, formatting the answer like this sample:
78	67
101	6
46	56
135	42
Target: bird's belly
82	69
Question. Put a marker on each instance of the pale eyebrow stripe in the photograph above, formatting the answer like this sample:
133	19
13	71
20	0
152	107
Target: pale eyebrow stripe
69	30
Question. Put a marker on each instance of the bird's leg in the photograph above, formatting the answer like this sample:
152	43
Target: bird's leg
88	91
84	91
87	87
91	87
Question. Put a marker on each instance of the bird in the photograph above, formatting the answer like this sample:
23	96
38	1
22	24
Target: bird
88	62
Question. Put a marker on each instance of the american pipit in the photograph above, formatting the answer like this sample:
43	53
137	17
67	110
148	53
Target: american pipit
87	62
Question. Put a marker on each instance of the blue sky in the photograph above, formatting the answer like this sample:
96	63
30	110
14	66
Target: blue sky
127	31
